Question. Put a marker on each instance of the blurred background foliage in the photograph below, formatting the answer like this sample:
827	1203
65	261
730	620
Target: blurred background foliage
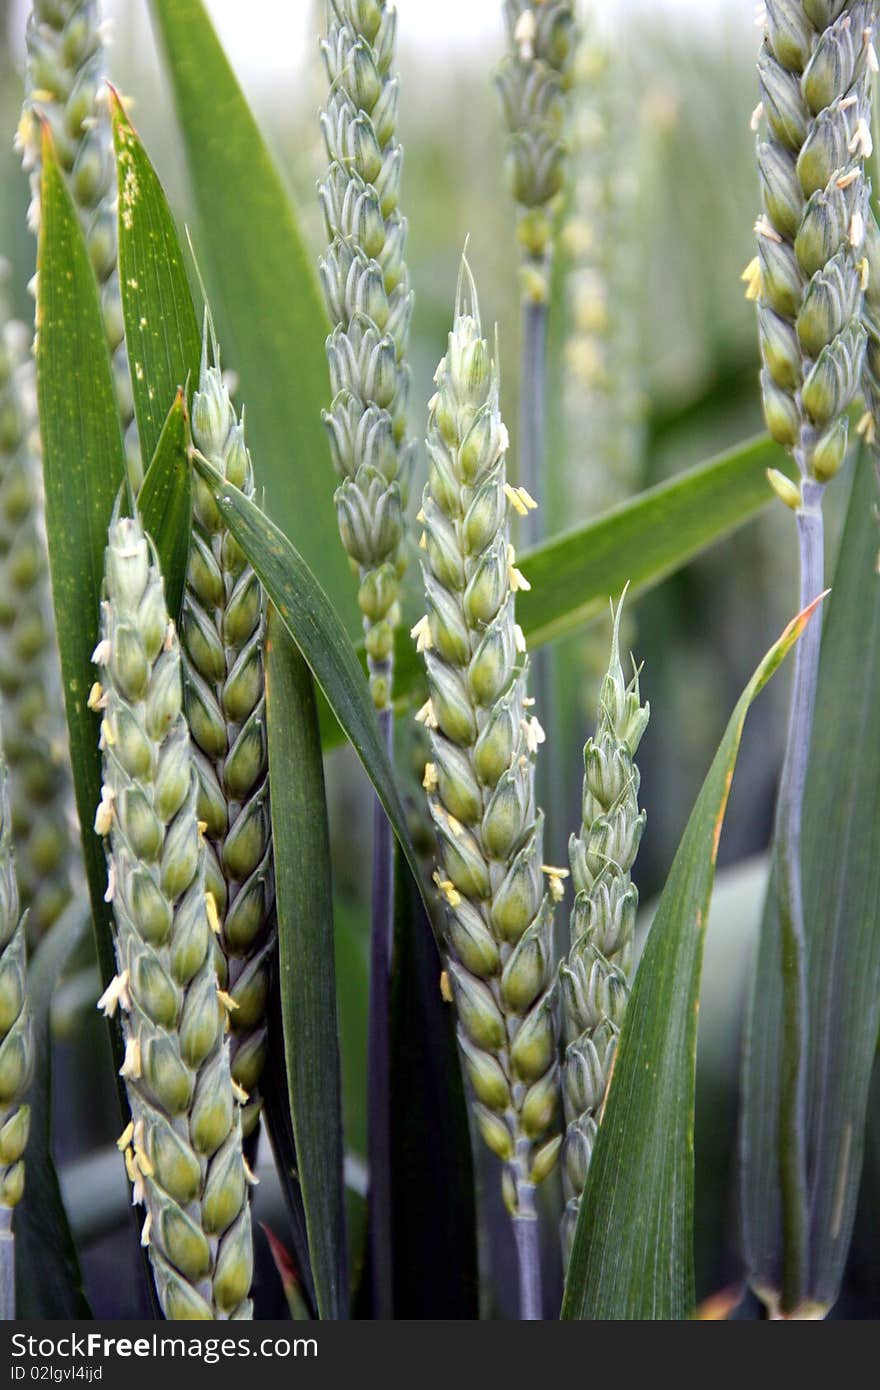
663	123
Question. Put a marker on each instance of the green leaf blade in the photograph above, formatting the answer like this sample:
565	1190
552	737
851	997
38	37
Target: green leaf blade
263	289
161	332
83	470
432	1177
633	1248
164	503
304	902
841	891
49	1282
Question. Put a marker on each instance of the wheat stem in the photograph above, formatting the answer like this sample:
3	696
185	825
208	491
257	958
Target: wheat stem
526	1235
793	1102
379	1196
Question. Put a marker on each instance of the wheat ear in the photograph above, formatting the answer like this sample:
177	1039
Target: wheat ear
182	1148
594	978
222	636
367	290
34	733
65	85
16	1052
480	780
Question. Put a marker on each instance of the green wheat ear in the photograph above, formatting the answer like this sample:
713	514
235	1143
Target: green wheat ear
16	1042
183	1147
480	780
34	732
222	636
366	286
65	84
594	979
811	269
533	80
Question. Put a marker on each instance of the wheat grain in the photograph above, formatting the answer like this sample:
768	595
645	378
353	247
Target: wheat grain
182	1148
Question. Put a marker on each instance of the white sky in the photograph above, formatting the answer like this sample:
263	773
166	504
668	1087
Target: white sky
245	24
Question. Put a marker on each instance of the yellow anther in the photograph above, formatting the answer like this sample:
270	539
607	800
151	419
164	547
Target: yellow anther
447	888
555	877
97	699
427	716
239	1092
421	634
764	227
752	277
115	996
445	987
227	1000
131	1066
867	427
521	501
429	781
213	914
125	1137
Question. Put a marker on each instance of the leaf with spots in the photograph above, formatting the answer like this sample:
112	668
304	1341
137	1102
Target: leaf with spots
161	330
632	1256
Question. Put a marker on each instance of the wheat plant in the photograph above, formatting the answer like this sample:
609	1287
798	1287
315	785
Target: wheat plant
809	280
469	1116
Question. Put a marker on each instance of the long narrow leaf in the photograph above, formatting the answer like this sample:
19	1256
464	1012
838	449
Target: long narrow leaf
633	1249
164	502
840	855
263	289
305	959
83	469
48	1275
161	332
639	542
315	627
432	1177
